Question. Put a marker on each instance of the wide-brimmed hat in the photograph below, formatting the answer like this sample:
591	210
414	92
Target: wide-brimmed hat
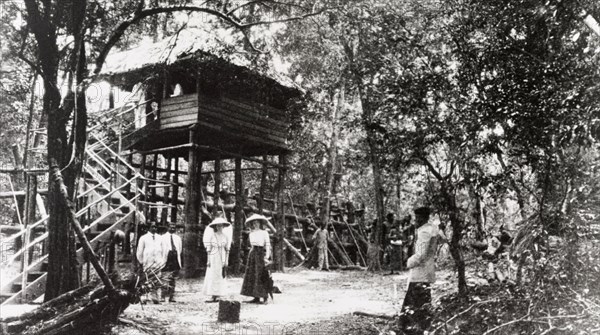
256	217
219	221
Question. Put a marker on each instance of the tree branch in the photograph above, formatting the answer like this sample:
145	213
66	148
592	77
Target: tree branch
32	65
119	31
288	19
243	5
264	2
432	168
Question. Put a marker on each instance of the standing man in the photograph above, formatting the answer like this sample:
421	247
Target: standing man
172	246
151	254
415	316
320	239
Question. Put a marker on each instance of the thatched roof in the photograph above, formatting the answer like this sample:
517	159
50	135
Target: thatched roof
190	43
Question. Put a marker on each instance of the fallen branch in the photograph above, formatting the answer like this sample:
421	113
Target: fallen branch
371	315
150	329
348	267
505	324
463	312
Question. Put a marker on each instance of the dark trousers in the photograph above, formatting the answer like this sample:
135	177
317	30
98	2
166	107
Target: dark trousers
415	316
168	291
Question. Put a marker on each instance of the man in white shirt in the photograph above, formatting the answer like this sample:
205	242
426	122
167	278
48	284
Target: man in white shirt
320	239
151	254
172	246
415	313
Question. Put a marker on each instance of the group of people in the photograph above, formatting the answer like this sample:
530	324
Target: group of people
399	242
163	253
257	281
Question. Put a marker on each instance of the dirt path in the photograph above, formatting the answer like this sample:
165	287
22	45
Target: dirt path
312	302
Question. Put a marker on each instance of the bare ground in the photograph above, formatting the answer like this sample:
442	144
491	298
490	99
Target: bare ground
312	302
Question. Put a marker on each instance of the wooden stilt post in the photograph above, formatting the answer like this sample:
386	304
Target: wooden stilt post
175	195
202	256
263	185
235	255
111	97
279	255
192	201
143	188
154	210
30	200
166	193
217	191
129	175
29	217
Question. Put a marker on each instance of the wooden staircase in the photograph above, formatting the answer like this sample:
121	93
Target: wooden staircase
107	201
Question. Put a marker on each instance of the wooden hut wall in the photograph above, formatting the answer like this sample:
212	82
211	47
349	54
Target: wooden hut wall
179	111
250	120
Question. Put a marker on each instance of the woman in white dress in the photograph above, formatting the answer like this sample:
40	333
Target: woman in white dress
217	243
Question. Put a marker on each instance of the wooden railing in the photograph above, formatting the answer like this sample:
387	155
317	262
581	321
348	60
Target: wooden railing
38	243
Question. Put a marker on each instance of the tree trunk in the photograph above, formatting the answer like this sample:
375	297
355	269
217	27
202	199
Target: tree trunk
455	251
374	255
331	162
30	119
480	215
65	154
514	186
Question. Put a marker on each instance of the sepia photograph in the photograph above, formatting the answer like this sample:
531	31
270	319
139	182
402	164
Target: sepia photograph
299	167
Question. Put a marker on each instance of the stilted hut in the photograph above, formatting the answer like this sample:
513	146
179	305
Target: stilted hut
189	103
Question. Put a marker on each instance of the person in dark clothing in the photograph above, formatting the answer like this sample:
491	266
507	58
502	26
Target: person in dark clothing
415	317
257	281
409	236
173	247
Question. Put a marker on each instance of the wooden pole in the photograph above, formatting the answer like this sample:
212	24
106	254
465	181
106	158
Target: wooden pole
30	119
175	195
19	181
167	191
87	247
263	184
111	97
293	250
129	175
29	217
153	210
30	199
235	254
141	186
279	255
192	215
217	191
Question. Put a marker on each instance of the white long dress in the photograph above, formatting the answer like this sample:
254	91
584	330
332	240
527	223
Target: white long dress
217	250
